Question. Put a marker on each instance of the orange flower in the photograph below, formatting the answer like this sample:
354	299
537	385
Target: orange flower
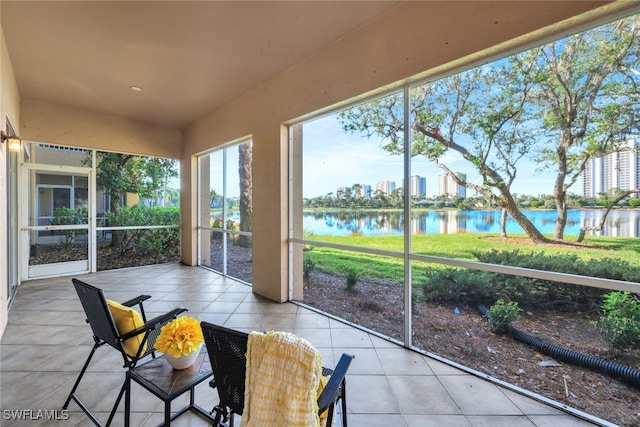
180	337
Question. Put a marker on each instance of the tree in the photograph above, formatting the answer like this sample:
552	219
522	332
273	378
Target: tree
585	98
620	195
573	100
118	174
245	173
466	115
157	172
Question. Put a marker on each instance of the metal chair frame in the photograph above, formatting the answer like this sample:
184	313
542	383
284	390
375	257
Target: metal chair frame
227	350
105	331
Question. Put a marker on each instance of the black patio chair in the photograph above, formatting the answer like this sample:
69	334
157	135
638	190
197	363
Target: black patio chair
227	350
133	345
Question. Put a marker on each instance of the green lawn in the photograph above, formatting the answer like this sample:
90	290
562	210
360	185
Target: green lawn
458	246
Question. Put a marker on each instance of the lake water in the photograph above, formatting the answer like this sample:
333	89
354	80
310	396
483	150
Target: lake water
620	222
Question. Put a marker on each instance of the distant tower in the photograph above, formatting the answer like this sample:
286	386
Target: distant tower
451	188
620	169
418	186
386	186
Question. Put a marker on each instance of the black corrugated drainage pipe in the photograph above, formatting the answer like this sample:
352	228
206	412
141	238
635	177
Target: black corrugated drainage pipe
623	373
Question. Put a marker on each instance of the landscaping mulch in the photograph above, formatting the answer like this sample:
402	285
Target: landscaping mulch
462	335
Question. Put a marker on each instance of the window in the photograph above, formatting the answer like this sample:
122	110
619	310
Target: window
472	161
226	210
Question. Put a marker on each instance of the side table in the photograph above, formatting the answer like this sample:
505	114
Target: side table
158	377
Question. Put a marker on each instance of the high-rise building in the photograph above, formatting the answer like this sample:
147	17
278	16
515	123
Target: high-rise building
448	186
418	186
386	186
620	170
365	191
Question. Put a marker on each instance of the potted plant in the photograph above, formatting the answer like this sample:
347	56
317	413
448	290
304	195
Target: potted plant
180	340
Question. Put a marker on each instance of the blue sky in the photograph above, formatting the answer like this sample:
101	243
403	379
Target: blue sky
333	158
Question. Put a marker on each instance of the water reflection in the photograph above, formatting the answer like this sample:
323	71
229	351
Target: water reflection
620	222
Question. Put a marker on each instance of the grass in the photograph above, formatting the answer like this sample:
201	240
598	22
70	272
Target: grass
458	246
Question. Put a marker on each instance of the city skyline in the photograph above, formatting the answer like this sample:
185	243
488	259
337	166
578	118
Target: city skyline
334	159
615	170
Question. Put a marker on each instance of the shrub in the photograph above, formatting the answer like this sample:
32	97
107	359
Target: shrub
353	276
620	320
164	241
464	286
68	216
460	286
501	314
307	267
308	235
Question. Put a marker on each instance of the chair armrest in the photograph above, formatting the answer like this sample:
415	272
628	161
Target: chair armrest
332	389
153	323
136	300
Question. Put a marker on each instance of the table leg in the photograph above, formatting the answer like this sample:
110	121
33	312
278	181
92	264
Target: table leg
127	400
167	413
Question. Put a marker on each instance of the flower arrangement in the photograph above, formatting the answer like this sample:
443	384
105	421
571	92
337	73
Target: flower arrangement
180	337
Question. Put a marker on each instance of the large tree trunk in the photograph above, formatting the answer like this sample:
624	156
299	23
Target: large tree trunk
508	204
245	153
503	224
534	234
559	191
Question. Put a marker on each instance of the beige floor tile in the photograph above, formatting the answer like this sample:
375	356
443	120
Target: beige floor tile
436	421
350	338
278	322
400	361
317	337
219	306
366	360
478	397
499	421
47	341
441	368
370	394
530	406
248	320
375	420
422	395
311	321
563	420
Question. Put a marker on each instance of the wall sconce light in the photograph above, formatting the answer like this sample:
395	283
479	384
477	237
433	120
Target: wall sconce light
14	142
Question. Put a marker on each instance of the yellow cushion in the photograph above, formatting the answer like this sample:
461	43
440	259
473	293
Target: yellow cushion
127	319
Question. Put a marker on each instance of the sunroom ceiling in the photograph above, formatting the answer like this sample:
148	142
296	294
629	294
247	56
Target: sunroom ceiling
189	57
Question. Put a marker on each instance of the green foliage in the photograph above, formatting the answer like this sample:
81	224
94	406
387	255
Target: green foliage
557	104
567	262
620	320
68	216
307	267
352	275
501	314
144	241
308	235
119	174
634	203
231	224
462	286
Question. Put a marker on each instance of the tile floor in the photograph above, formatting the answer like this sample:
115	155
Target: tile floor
47	341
